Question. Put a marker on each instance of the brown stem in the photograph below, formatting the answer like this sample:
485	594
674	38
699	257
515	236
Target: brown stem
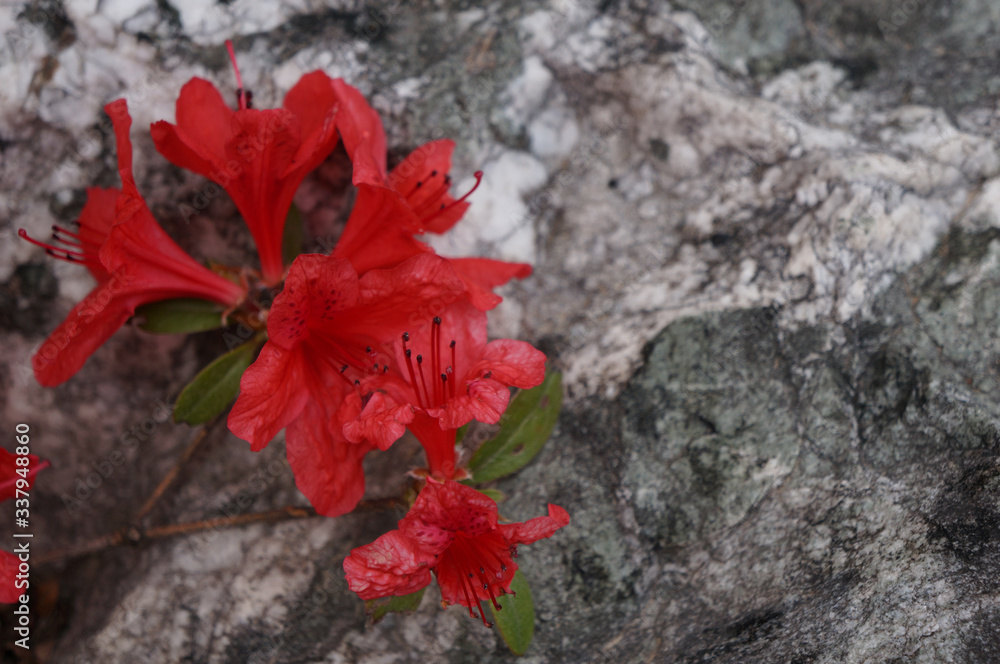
134	535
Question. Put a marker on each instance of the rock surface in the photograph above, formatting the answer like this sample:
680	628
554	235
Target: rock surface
767	249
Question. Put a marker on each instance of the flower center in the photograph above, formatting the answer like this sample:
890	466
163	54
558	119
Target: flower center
482	563
441	385
426	199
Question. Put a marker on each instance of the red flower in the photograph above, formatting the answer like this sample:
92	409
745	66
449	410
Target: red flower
259	156
451	530
9	563
92	228
450	375
323	330
136	263
390	209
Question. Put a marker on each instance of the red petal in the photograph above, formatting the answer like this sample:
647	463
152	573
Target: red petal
8	573
484	400
401	299
89	324
9	476
204	126
482	275
381	423
326	465
514	363
361	130
313	101
426	194
379	232
317	289
139	247
96	219
444	508
461	322
273	391
438	444
538	528
489	553
391	565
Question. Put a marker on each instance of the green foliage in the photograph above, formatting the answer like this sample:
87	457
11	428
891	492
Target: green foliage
215	387
180	315
378	608
524	428
516	619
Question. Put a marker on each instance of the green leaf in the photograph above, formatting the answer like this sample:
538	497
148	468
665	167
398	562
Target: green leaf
291	241
496	495
378	608
524	428
180	315
516	618
215	387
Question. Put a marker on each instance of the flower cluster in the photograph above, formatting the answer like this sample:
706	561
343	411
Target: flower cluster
376	337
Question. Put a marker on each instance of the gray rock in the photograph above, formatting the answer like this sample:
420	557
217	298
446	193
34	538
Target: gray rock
766	249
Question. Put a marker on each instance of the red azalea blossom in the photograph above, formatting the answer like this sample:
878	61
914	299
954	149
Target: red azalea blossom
452	531
391	208
9	562
135	263
259	157
449	375
324	329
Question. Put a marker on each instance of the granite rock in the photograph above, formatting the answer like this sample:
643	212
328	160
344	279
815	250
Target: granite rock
766	249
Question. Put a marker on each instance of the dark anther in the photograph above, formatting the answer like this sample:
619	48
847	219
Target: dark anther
437	320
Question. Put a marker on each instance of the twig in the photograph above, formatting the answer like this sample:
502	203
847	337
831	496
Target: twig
171	476
134	535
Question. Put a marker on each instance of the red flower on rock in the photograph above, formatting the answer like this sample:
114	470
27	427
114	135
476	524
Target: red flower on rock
452	530
9	562
259	157
392	208
324	330
449	375
134	261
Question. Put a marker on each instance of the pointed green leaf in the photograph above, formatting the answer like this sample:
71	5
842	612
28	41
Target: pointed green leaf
215	387
496	495
180	315
524	428
378	608
291	241
516	618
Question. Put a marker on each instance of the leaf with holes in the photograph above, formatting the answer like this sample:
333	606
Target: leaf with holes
378	608
524	428
179	316
516	620
216	386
